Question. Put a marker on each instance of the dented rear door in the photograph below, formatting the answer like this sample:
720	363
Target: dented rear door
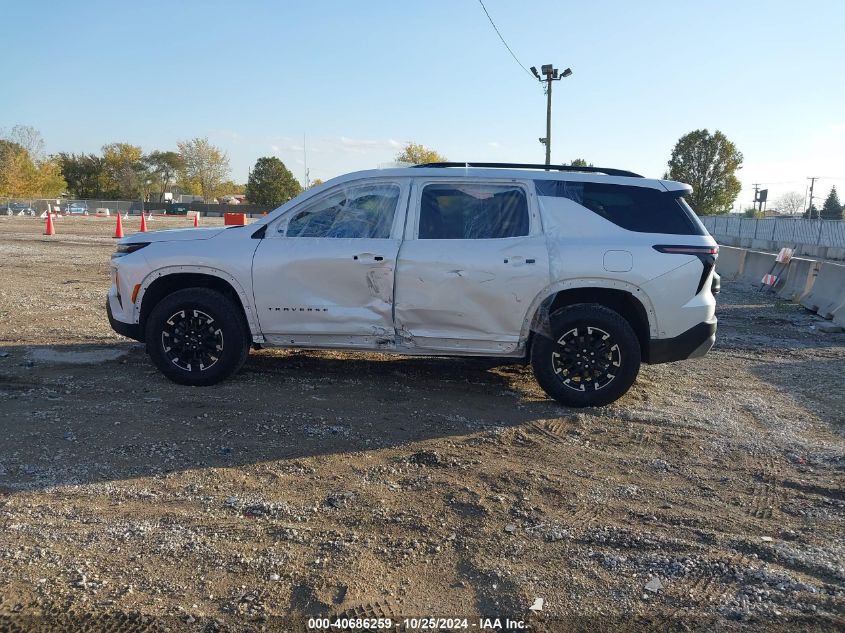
473	260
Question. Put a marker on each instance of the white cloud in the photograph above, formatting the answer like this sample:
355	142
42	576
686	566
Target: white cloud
364	146
230	134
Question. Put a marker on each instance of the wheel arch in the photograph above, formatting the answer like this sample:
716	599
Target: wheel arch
164	281
627	299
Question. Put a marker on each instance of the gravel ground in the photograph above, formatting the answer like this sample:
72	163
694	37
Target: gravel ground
312	484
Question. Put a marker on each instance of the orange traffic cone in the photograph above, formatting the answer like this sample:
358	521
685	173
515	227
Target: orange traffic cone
118	229
197	219
143	223
49	229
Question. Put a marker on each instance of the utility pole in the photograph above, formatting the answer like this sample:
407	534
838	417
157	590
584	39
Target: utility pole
812	180
549	119
756	186
551	74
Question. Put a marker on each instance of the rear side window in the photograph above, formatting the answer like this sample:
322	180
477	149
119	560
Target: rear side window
639	209
472	212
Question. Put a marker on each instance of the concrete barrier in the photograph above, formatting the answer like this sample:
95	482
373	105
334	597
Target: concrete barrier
835	253
828	292
756	265
730	262
799	278
839	315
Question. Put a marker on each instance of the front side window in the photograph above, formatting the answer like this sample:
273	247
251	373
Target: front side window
363	211
472	212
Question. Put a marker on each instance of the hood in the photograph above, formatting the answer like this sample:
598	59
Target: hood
174	235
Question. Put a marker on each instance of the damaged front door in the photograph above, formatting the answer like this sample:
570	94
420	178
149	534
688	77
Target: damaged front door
323	275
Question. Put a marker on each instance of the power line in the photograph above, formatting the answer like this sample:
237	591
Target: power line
496	28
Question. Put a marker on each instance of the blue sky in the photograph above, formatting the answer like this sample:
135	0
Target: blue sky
357	79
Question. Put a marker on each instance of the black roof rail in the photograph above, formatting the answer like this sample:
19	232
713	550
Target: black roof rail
590	170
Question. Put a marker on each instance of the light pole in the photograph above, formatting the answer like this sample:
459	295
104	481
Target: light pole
551	74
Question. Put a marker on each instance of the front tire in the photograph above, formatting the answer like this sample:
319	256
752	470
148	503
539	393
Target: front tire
590	357
197	337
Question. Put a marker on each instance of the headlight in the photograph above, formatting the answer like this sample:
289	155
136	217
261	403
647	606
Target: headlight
125	249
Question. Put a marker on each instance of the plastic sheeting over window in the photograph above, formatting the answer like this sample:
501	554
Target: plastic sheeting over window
640	209
365	211
472	212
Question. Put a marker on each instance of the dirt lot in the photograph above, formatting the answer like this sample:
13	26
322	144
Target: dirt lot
711	496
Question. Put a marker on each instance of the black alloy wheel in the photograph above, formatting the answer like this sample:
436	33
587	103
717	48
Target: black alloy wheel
588	357
197	336
192	339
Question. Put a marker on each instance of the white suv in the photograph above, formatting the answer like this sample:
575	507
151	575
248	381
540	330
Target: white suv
586	272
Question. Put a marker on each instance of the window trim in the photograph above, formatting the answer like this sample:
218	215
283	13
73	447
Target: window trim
277	229
413	226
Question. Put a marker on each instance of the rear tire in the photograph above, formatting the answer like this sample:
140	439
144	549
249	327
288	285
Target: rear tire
197	336
590	357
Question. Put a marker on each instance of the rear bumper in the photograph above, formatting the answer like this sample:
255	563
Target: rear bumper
129	330
693	343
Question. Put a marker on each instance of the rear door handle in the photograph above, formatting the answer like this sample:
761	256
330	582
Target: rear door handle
518	260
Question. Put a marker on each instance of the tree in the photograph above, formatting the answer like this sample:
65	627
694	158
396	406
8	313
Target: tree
417	154
206	167
832	209
163	167
231	187
315	183
812	212
21	177
708	162
51	184
83	173
791	202
123	174
17	171
580	162
29	138
271	183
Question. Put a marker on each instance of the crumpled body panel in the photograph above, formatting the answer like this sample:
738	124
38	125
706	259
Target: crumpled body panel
476	291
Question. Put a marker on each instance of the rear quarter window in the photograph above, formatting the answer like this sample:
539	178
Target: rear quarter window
640	209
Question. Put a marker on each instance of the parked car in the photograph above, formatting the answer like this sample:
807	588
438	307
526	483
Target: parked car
19	208
583	272
76	208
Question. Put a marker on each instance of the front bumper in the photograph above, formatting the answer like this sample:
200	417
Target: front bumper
129	330
693	343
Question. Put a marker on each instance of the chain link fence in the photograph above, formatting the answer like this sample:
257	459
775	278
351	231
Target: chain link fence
798	231
38	206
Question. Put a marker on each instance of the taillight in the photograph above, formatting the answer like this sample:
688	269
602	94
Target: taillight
706	254
687	250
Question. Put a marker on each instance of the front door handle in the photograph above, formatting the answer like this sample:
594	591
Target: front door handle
368	257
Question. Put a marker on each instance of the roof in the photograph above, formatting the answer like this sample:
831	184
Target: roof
507	172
